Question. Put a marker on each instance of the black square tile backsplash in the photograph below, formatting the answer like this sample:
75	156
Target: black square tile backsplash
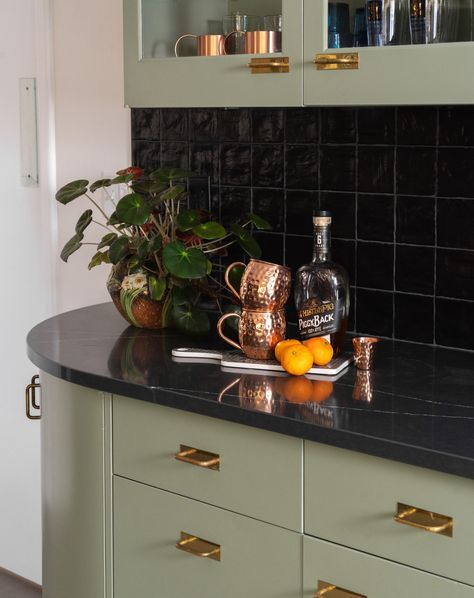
398	180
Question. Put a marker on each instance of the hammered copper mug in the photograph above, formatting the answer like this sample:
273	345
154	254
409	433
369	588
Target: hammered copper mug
259	332
264	286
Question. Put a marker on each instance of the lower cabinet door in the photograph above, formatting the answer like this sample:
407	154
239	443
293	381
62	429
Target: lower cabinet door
332	571
168	546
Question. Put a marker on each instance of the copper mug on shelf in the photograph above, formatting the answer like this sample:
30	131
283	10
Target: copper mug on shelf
256	42
207	45
259	332
264	286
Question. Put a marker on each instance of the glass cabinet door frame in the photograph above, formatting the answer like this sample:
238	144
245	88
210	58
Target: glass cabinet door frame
389	75
212	81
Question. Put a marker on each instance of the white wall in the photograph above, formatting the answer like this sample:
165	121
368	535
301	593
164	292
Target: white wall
92	125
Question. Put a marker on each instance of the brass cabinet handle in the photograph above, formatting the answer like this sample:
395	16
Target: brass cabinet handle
199	547
30	398
325	588
339	61
195	456
425	520
260	66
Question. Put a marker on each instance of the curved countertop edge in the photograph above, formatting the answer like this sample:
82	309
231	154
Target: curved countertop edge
370	445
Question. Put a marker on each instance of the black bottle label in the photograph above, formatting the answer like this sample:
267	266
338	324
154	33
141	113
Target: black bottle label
320	319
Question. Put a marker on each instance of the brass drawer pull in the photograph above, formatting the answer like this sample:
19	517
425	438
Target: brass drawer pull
339	61
325	588
30	398
261	66
199	547
195	456
426	520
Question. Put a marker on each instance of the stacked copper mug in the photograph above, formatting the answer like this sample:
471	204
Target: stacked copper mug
264	291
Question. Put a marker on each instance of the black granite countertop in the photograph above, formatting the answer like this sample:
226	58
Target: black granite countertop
417	407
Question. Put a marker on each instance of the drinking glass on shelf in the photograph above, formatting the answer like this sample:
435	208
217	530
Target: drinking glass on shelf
374	23
272	22
395	22
338	25
360	28
433	21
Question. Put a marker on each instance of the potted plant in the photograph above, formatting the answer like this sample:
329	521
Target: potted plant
164	255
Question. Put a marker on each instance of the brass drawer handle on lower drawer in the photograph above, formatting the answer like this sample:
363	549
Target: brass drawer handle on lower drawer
329	589
426	520
199	547
195	456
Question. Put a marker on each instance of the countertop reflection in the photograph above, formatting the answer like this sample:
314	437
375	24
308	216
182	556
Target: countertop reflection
416	407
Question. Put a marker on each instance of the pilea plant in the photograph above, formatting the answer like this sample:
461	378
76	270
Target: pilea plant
162	251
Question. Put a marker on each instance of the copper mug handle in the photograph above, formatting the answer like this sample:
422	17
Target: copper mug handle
226	277
179	40
229	35
222	335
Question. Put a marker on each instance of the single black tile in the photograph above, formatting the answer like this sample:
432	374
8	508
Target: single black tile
146	154
270	205
298	251
375	217
146	123
338	125
456	125
416	220
203	196
454	323
376	125
375	265
203	124
456	172
301	125
374	313
344	253
414	269
267	125
417	125
414	318
175	155
174	124
234	124
342	208
416	170
376	169
454	274
337	168
267	165
235	164
456	223
234	204
299	211
272	246
204	160
301	166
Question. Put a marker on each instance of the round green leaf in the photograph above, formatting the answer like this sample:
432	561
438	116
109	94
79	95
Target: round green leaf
84	221
210	231
190	320
187	220
170	174
183	295
100	184
119	250
157	287
107	240
122	178
71	246
259	222
184	262
246	241
72	190
133	209
101	257
172	192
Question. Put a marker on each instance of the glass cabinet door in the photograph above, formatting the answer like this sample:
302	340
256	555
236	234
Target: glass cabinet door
197	52
372	52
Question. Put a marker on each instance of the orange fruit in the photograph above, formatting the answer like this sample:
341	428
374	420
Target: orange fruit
321	350
297	389
322	390
282	345
297	359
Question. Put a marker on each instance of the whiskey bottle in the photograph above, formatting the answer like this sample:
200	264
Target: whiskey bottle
322	290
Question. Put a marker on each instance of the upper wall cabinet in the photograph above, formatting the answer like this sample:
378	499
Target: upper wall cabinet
419	52
237	53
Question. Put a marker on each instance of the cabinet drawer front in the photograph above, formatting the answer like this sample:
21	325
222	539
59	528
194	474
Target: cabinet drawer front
358	575
256	559
259	473
352	499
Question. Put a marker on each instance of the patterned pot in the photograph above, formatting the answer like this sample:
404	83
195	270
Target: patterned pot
131	296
